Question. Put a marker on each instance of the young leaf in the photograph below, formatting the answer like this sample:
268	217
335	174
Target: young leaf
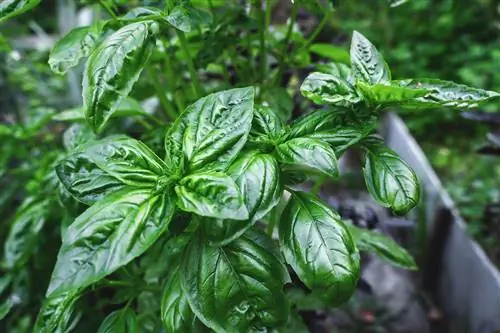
389	179
101	167
319	248
389	94
176	313
186	18
211	132
308	155
382	246
445	93
56	313
77	135
77	44
258	178
24	231
315	121
11	8
211	194
123	321
279	100
266	123
109	235
113	68
367	63
343	137
322	88
237	287
337	69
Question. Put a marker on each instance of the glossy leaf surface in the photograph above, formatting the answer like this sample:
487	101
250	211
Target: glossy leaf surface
367	63
266	123
77	44
383	246
11	8
237	287
122	321
56	313
318	246
308	155
211	194
109	235
322	88
113	68
390	180
187	18
258	178
176	313
446	93
77	135
107	165
211	132
387	94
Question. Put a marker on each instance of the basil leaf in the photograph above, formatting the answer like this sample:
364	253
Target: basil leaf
211	132
266	123
340	139
258	178
337	69
367	63
77	44
211	194
187	18
315	121
390	181
388	95
77	135
445	93
122	321
319	248
309	155
331	52
56	313
383	246
322	88
11	8
109	235
113	68
5	308
24	231
176	313
101	167
237	287
279	100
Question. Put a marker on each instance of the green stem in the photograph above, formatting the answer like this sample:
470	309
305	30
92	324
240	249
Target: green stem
108	9
212	9
262	38
192	70
293	18
318	30
167	107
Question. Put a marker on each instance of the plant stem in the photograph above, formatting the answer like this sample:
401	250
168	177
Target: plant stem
318	30
108	9
262	37
167	107
291	23
192	70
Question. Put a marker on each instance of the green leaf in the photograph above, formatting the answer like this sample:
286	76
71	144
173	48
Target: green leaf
113	68
5	308
322	88
445	93
120	321
388	94
315	121
258	178
389	179
77	44
367	63
383	246
11	8
318	246
101	167
211	132
108	235
187	18
332	52
396	3
280	101
77	135
211	194
266	123
308	155
237	287
176	313
337	69
56	313
24	231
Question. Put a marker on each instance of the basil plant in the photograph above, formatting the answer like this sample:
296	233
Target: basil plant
204	233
